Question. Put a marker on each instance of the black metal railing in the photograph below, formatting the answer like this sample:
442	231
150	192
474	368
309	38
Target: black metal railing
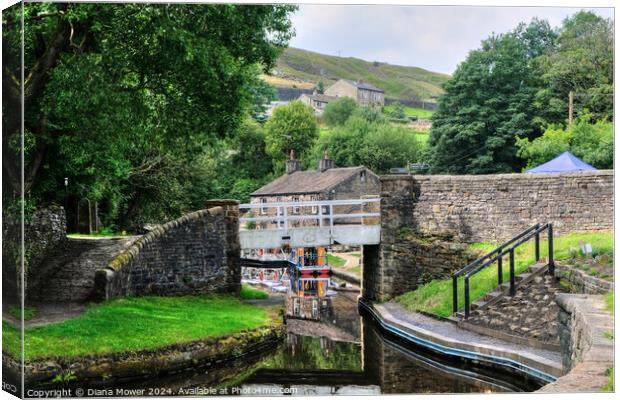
497	255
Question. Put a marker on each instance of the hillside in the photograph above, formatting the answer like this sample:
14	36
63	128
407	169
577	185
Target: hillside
302	69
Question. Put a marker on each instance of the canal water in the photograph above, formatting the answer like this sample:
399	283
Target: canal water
346	353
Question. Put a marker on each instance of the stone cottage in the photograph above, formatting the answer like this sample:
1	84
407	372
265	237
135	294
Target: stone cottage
366	94
326	183
316	100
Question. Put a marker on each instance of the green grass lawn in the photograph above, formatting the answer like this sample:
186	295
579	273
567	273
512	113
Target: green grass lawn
29	312
250	293
410	111
135	324
356	254
335	261
436	296
356	270
422	137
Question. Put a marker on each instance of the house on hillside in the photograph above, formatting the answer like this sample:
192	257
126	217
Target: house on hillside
316	100
366	94
326	183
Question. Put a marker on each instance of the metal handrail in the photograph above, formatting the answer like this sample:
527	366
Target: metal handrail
462	271
498	255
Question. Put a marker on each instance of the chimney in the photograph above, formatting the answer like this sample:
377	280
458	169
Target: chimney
292	165
325	163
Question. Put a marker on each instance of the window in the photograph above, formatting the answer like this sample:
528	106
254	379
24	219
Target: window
263	210
315	209
296	209
362	176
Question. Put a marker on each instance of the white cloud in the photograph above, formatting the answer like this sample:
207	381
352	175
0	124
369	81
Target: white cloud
432	37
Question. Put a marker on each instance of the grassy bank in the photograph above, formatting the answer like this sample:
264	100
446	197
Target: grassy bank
336	261
250	293
436	296
410	111
136	324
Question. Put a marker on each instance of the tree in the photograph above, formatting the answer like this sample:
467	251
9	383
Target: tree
291	127
368	141
320	87
580	61
338	111
593	143
398	111
126	99
489	101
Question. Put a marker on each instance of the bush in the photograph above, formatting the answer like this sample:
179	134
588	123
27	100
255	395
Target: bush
367	138
338	111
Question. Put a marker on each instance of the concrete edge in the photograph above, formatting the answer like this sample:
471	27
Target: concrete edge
151	362
592	368
538	367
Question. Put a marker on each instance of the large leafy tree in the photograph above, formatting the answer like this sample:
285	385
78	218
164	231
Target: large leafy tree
368	139
292	126
580	61
488	102
125	98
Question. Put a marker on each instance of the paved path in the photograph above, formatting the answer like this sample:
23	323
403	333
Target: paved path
449	335
350	261
47	313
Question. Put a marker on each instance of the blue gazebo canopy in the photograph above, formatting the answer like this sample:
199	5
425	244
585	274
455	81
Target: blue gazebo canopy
565	162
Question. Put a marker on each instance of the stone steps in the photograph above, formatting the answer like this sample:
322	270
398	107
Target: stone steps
71	272
502	290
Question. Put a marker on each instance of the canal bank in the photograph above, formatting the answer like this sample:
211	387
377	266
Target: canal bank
141	364
447	339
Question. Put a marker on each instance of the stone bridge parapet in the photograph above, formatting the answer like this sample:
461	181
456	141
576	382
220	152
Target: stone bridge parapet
196	253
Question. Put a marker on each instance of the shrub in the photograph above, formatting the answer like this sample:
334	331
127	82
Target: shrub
338	111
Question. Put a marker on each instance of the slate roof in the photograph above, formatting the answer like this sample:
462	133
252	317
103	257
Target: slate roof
306	182
320	97
364	85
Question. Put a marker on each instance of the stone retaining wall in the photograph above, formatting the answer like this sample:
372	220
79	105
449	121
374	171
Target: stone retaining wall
197	253
587	352
496	207
404	261
44	235
580	282
145	363
473	208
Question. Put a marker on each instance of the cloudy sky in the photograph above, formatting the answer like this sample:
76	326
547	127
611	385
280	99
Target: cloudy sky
432	37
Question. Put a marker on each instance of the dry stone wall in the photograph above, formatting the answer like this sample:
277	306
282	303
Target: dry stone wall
197	253
44	236
496	207
447	211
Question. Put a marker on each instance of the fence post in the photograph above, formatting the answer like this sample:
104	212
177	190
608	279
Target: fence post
551	261
537	243
466	296
513	290
455	302
500	272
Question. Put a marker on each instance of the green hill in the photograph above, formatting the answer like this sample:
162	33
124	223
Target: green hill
302	69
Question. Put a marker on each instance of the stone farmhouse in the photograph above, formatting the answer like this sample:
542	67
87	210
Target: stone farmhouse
326	183
364	93
316	100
